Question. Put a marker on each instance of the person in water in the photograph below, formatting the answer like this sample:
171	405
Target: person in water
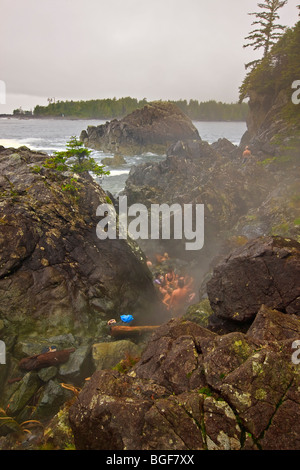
161	258
149	262
179	298
171	278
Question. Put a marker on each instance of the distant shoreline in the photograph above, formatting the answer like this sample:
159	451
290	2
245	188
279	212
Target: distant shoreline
72	118
42	118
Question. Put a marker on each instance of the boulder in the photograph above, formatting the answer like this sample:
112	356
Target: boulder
152	128
24	392
118	426
47	373
272	325
171	357
51	399
264	271
78	367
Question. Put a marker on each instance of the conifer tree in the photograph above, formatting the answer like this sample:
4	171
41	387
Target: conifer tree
75	158
267	30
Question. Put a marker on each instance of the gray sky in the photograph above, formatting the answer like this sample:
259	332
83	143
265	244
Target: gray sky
157	49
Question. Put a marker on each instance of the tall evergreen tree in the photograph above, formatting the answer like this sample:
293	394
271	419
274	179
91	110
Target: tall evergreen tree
267	31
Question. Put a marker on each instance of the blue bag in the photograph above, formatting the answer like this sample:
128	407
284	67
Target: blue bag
126	318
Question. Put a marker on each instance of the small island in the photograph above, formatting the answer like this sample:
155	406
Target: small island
151	129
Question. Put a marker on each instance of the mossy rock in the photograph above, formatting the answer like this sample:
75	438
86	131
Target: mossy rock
108	355
199	313
24	392
58	434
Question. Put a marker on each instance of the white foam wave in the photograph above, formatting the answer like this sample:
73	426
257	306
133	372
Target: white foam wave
119	172
11	143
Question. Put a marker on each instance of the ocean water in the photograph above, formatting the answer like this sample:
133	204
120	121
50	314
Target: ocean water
50	135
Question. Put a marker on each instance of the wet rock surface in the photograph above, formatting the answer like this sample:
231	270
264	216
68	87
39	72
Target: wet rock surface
59	284
230	392
264	271
54	270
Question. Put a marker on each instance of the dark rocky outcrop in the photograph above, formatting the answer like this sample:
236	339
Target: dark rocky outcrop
55	273
59	284
264	121
213	387
243	199
264	271
273	117
196	390
195	172
221	377
150	129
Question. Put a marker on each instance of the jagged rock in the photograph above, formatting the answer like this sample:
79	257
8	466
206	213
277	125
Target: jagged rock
248	394
56	276
264	271
118	426
78	367
152	128
168	423
266	122
24	392
199	313
225	147
59	284
52	397
195	172
171	357
47	373
271	325
58	434
284	429
224	354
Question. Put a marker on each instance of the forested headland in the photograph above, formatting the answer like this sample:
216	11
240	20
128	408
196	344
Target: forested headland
106	109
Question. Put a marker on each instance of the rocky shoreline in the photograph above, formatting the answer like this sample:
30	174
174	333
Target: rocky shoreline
196	390
221	375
